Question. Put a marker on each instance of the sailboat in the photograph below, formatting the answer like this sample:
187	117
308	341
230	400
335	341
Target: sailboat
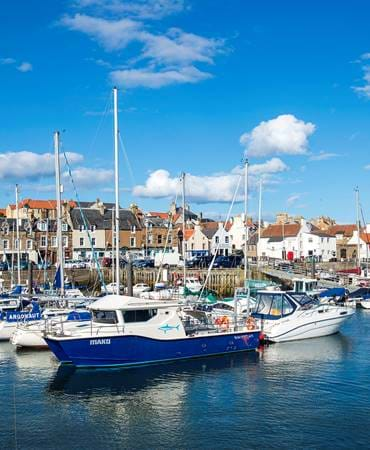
127	331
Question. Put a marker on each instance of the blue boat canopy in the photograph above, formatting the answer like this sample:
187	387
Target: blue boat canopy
333	292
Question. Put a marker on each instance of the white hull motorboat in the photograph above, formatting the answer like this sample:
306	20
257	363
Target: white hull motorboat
365	303
32	335
288	317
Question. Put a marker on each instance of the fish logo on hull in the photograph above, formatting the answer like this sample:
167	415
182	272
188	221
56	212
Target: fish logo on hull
167	327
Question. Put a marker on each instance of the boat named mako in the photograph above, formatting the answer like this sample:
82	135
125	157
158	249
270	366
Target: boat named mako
128	331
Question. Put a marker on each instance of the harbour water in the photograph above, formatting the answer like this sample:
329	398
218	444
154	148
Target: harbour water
308	394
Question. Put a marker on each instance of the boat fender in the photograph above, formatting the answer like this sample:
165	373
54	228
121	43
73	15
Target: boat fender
251	323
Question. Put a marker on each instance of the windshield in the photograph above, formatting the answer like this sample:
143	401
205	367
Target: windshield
305	300
274	305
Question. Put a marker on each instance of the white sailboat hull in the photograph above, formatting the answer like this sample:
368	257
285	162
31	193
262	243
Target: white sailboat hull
308	325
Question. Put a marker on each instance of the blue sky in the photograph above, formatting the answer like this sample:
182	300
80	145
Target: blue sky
200	83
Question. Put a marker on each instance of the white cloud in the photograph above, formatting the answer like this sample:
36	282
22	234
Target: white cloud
293	199
364	90
323	156
111	34
131	78
7	61
284	134
162	58
274	165
178	47
365	56
217	188
367	167
86	177
143	9
30	165
25	67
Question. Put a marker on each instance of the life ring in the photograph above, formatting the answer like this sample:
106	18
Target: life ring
251	323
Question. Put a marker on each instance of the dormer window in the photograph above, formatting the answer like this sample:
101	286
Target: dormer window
64	227
82	227
133	228
93	228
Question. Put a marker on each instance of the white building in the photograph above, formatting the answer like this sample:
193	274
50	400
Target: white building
296	241
364	242
220	241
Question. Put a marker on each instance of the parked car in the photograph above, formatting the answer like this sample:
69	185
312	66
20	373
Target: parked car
199	262
74	264
4	266
227	262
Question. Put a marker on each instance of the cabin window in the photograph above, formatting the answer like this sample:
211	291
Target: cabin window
105	317
139	315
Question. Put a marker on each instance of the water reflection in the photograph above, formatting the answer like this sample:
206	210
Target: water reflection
87	382
319	350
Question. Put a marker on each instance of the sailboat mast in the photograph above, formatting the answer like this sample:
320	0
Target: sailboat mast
246	229
116	186
17	231
58	189
357	194
183	229
259	218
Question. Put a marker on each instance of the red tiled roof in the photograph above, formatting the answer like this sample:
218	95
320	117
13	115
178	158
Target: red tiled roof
2	212
188	234
346	230
365	237
287	230
40	204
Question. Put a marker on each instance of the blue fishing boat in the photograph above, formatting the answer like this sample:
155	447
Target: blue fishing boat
128	331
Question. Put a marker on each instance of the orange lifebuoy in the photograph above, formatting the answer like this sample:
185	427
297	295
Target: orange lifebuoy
251	323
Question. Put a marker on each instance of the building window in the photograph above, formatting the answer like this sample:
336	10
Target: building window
132	242
82	241
226	239
43	241
54	242
6	230
42	226
5	244
29	244
82	227
16	244
93	241
64	227
310	240
217	239
150	239
169	239
159	239
65	241
133	229
93	228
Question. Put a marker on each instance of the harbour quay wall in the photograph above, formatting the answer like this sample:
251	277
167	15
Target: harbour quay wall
223	281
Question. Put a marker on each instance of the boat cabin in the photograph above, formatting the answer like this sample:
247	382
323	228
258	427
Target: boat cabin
307	285
140	316
275	305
